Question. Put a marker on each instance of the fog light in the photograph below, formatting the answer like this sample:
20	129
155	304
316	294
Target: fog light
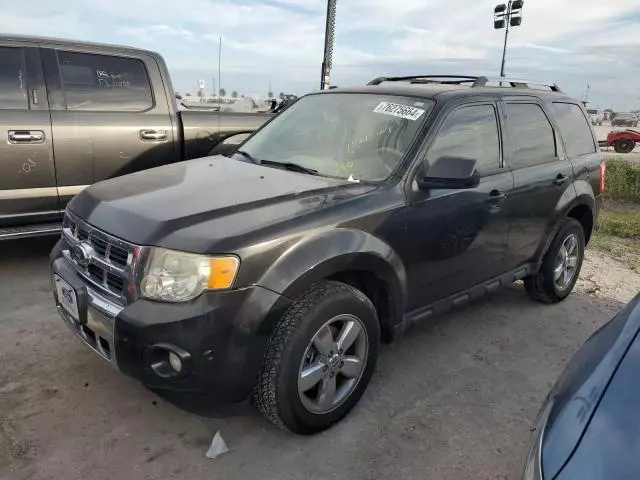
175	362
167	361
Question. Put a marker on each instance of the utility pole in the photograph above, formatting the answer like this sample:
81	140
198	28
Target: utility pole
585	97
506	37
329	34
505	16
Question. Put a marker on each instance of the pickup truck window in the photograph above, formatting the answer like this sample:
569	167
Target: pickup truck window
470	132
13	80
357	136
574	129
104	83
532	135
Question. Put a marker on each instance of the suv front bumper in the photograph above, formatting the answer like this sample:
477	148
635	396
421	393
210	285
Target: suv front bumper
224	333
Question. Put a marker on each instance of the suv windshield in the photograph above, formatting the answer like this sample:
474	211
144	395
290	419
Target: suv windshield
354	136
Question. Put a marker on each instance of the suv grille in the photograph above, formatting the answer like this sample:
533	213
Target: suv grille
108	267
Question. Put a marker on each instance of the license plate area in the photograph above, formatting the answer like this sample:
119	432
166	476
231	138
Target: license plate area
67	297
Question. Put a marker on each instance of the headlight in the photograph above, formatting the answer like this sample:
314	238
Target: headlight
178	277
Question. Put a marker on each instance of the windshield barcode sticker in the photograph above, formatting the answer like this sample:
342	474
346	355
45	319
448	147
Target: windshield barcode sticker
397	110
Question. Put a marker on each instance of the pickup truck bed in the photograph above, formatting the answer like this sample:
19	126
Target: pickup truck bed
75	113
202	133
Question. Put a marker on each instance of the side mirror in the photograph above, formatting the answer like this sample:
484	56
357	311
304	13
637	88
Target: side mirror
451	173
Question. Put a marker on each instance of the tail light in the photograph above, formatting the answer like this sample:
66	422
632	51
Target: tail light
603	170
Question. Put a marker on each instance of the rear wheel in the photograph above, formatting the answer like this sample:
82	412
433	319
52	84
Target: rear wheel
624	145
561	265
320	359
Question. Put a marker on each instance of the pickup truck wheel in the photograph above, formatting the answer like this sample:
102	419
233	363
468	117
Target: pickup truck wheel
561	265
624	145
320	359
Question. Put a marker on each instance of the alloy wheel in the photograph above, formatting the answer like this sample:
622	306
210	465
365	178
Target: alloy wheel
566	262
333	363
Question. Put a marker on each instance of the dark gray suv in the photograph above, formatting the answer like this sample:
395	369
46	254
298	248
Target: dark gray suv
355	213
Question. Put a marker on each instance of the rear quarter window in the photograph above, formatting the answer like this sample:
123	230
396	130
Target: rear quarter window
574	129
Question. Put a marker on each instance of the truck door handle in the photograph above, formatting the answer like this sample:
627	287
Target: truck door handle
496	197
153	134
560	180
26	136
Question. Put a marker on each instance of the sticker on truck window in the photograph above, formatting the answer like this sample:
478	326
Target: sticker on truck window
397	110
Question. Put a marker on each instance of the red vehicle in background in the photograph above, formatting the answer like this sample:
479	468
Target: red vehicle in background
623	141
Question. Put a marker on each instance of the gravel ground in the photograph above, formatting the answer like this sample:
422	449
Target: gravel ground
454	399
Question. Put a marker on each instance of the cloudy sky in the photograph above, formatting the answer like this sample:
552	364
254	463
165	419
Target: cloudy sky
582	42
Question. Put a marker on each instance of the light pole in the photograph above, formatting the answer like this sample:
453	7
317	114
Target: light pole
505	16
329	33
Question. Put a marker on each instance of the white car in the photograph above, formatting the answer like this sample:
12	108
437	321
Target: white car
595	116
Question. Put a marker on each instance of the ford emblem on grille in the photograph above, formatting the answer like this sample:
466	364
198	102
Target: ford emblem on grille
82	254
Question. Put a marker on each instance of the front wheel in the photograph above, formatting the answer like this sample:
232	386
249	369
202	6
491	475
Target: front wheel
320	359
560	266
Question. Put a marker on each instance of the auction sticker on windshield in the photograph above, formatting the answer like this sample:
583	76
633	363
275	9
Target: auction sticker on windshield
397	110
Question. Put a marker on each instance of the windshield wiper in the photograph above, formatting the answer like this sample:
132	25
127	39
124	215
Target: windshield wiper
249	156
293	167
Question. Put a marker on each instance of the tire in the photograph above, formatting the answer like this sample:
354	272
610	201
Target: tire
291	345
543	286
624	145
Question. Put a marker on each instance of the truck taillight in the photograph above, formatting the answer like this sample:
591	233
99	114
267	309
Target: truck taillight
603	170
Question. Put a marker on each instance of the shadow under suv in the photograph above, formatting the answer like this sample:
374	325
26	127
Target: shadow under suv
276	273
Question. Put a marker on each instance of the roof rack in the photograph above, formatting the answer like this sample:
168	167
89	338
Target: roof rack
463	79
444	79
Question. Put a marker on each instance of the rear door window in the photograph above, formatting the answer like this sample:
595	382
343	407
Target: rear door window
532	135
104	83
574	129
13	79
472	132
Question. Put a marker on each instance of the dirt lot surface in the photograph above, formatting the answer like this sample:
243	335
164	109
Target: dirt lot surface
454	399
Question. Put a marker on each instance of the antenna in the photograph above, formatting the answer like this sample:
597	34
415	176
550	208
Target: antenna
219	80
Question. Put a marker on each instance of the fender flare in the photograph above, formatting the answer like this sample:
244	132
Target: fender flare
581	200
316	258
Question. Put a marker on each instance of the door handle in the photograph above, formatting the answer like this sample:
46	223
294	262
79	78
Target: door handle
26	136
560	180
153	134
496	197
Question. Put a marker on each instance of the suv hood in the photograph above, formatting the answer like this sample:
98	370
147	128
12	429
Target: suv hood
203	205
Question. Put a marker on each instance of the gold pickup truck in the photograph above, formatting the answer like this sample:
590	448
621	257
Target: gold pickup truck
75	113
